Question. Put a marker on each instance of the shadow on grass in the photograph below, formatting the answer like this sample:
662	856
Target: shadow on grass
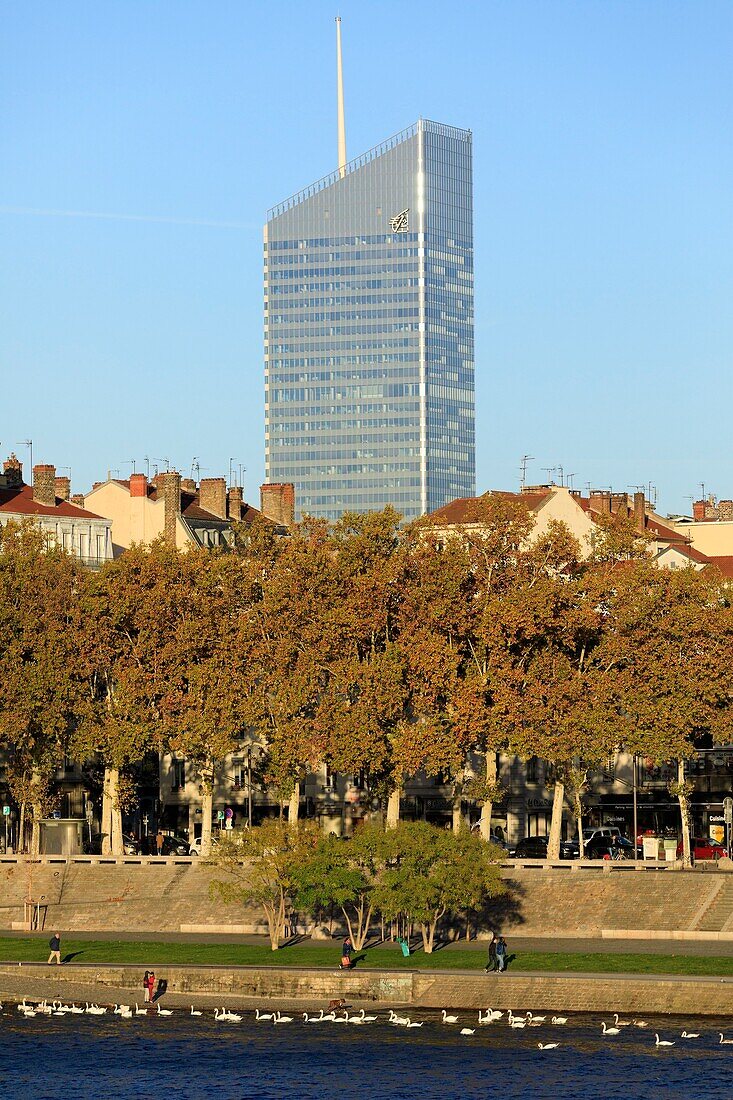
71	955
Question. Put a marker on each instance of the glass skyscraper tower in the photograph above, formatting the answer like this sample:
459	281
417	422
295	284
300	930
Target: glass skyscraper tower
369	360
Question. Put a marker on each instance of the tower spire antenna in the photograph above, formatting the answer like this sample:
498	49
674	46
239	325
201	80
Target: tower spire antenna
340	99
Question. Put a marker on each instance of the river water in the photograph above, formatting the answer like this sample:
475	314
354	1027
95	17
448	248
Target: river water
181	1057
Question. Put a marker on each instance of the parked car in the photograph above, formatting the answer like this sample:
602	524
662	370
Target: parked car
592	831
93	846
535	847
703	848
172	845
610	847
499	841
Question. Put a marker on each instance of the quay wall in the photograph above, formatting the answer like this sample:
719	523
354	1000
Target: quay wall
172	895
632	995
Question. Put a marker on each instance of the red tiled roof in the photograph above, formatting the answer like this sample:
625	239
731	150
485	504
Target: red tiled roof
724	563
19	501
463	510
690	552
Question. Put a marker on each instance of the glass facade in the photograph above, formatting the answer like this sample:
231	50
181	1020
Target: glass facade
369	362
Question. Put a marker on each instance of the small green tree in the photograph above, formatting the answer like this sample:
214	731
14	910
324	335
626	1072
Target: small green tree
432	872
259	868
344	873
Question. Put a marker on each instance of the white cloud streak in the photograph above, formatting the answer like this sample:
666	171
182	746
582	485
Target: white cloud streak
105	216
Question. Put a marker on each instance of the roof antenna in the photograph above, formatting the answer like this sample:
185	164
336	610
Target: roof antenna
340	98
523	470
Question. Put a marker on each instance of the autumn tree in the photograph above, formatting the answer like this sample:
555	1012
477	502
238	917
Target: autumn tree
668	638
42	692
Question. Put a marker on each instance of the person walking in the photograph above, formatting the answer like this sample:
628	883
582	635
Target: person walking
55	944
151	985
346	950
501	954
146	986
159	843
491	962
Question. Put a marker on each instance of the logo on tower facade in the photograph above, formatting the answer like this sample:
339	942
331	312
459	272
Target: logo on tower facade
400	222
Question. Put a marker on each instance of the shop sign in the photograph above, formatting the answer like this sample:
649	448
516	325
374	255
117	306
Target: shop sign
716	817
539	804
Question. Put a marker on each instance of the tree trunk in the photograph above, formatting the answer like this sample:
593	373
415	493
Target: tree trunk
457	806
553	847
488	805
207	812
684	802
36	830
393	808
20	839
294	806
115	813
579	819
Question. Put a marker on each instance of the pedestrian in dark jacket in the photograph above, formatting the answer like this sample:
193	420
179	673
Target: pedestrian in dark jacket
501	954
55	944
491	962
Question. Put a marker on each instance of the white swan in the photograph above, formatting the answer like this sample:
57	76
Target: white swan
195	1011
535	1021
609	1030
312	1019
227	1017
690	1035
548	1046
557	1020
449	1019
280	1019
466	1030
662	1042
725	1042
126	1013
640	1023
164	1011
518	1022
355	1020
411	1024
395	1019
140	1011
340	1019
263	1015
621	1023
95	1010
365	1018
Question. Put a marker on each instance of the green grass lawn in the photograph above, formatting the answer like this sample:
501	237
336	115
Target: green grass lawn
452	957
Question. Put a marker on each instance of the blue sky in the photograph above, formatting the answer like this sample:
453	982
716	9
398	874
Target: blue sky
603	230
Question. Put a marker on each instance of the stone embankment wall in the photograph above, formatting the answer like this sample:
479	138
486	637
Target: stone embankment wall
174	897
416	989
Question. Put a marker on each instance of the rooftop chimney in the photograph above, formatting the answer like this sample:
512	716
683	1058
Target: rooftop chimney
44	485
698	509
78	500
277	502
188	485
213	496
169	488
138	485
63	487
235	501
640	511
13	470
600	501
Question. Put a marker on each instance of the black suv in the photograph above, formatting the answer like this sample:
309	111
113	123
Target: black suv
535	847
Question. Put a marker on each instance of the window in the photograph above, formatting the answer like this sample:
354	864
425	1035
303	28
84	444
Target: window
239	775
178	775
533	770
329	778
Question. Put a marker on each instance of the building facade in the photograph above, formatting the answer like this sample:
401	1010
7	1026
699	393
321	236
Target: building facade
47	504
369	348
